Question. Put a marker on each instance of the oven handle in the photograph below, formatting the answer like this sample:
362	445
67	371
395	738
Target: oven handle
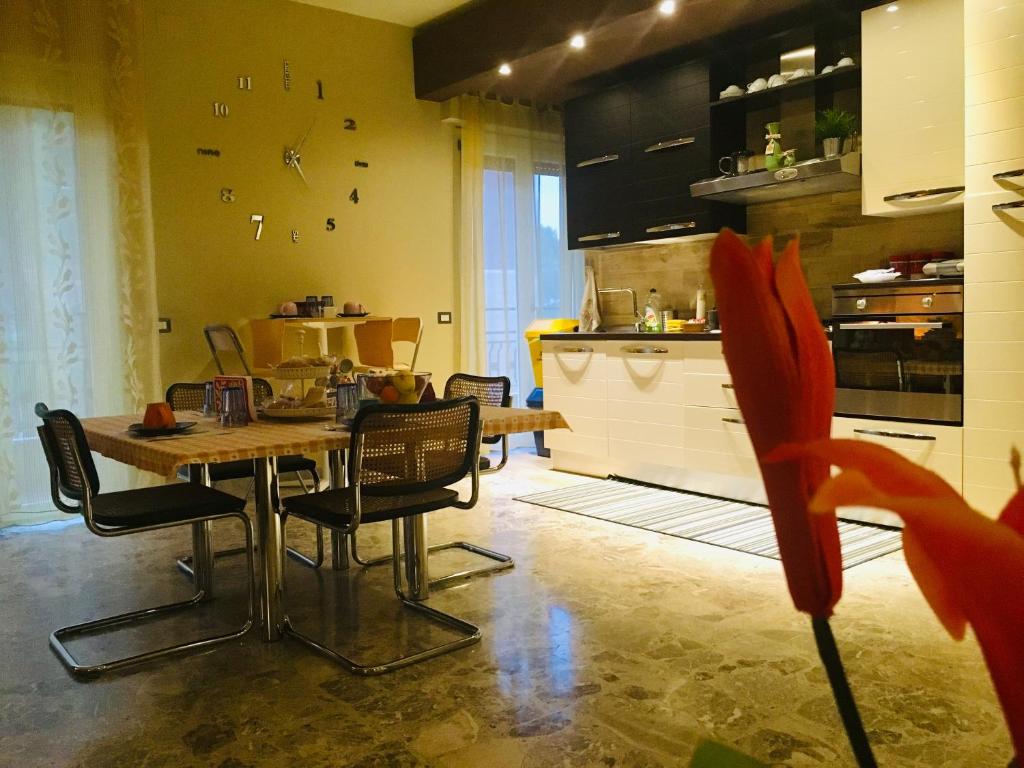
900	435
885	326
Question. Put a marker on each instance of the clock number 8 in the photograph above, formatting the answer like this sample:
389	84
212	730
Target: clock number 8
227	195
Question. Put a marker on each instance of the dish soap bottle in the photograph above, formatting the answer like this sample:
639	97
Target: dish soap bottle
652	312
700	302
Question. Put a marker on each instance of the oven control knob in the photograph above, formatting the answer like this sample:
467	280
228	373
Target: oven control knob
862	303
927	301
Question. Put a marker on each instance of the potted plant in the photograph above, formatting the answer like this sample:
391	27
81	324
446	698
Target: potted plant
831	127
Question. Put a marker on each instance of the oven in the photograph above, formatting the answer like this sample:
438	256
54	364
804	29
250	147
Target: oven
898	349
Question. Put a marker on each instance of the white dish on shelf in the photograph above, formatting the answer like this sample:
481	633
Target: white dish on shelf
877	275
298	413
306	372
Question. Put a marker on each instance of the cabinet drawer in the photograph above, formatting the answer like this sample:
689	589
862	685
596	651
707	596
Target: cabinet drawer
655	435
719	430
704	357
645	365
937	447
709	390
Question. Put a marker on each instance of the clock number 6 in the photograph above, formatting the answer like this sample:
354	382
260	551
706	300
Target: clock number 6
257	219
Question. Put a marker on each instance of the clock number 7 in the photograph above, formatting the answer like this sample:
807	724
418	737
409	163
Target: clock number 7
257	219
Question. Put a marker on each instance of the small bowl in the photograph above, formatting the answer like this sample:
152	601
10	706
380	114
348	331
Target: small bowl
389	387
694	326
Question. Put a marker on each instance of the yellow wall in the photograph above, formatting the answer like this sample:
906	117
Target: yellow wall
392	252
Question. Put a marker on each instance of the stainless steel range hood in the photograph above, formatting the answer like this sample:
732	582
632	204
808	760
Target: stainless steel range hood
812	177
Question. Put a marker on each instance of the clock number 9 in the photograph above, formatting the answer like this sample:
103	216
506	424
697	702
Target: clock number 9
227	195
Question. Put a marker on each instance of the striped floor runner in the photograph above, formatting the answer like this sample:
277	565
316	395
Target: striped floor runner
722	522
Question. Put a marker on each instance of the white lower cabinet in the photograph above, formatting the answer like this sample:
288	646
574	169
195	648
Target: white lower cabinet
665	412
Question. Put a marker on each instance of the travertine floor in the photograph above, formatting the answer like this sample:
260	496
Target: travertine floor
605	646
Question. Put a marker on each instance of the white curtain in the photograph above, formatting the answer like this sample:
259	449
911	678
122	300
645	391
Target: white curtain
514	263
77	291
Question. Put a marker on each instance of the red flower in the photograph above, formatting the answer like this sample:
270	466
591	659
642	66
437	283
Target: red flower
969	567
784	381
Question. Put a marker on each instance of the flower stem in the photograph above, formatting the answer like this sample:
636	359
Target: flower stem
829	653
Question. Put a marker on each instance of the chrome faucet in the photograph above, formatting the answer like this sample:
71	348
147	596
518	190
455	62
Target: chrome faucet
637	320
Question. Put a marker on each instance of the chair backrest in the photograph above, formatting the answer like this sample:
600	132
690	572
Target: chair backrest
223	339
190	396
489	390
408	329
66	451
373	343
406	449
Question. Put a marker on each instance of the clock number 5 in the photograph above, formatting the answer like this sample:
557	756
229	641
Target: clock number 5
257	219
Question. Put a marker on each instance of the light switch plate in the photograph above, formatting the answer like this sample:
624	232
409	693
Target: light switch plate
444	318
163	325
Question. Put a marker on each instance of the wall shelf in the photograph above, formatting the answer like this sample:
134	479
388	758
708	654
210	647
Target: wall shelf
843	77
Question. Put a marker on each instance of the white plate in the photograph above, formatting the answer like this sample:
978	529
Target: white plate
298	413
877	276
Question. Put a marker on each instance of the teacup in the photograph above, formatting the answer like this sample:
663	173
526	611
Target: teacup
758	85
353	308
826	69
732	90
776	80
798	73
846	61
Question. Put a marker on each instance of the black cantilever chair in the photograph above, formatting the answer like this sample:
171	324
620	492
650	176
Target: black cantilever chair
402	460
73	479
188	396
488	390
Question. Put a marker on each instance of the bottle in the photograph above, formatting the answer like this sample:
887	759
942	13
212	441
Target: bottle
652	312
699	303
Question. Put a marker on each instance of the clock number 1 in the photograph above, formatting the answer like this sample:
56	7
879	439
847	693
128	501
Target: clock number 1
220	109
320	89
257	219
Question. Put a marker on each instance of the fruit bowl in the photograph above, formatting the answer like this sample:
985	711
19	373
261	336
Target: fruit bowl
392	386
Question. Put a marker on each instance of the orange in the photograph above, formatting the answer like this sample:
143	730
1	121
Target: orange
389	394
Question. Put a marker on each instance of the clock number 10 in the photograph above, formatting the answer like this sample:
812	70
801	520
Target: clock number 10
220	109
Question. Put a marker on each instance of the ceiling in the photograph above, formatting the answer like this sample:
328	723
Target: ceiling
408	13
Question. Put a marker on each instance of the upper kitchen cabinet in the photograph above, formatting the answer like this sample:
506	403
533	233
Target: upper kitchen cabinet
913	107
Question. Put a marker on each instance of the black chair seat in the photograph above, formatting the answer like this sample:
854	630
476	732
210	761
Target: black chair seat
335	507
244	469
162	504
485	463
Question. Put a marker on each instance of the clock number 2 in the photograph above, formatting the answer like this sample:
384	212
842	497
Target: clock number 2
350	124
257	219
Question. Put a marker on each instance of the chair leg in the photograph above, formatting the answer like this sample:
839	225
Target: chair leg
57	637
504	458
504	562
470	633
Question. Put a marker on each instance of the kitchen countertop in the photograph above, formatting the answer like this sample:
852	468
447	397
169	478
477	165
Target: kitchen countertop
598	336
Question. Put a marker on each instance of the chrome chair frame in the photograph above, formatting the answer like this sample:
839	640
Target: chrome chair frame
208	332
84	508
502	561
414	558
184	563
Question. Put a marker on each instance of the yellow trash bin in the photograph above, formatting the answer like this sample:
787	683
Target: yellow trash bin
533	332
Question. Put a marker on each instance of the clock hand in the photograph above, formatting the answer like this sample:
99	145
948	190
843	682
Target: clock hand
298	167
304	137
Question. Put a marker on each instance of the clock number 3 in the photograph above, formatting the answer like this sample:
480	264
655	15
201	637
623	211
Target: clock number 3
257	219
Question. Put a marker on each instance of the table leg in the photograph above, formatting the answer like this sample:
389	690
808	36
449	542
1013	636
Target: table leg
414	531
202	539
271	554
339	542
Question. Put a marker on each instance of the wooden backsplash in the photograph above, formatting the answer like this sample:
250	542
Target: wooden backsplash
835	242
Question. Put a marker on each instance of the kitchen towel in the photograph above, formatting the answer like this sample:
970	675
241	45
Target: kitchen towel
590	314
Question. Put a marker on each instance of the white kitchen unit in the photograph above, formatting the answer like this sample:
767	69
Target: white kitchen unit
911	110
665	412
993	249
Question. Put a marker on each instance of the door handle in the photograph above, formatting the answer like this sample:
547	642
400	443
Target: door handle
682	141
645	350
919	193
728	386
598	236
899	435
1008	206
733	420
597	160
671	227
886	326
1008	174
575	349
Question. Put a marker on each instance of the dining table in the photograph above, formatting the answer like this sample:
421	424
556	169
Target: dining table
262	441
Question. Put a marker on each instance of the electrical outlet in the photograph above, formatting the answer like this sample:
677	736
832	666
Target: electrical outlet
444	318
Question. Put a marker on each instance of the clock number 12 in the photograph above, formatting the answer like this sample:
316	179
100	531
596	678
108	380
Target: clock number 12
257	219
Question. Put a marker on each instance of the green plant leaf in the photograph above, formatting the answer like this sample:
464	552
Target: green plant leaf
711	754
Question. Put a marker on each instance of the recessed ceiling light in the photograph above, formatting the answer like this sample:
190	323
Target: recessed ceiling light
667	7
577	41
892	7
505	70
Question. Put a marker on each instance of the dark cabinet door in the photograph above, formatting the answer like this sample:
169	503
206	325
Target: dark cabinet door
596	126
596	214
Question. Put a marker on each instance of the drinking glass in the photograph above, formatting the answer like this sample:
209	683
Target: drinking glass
209	400
348	403
234	412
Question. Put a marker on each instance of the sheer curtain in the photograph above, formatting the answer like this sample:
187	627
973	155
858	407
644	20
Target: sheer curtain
77	291
514	263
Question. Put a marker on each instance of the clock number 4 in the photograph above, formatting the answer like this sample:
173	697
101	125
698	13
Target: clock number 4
257	219
220	109
354	196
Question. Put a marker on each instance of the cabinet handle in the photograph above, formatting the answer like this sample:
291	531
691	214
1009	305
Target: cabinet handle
918	193
727	386
670	143
600	236
672	227
597	161
900	435
1008	206
733	420
885	326
645	350
1008	174
575	349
